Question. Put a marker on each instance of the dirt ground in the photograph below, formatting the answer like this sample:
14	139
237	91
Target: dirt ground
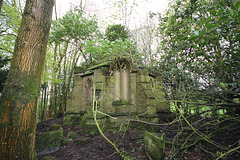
131	144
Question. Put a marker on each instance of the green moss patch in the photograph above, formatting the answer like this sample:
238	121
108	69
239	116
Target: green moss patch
48	142
154	145
120	103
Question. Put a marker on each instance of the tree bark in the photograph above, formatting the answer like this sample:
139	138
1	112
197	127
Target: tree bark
44	113
41	106
64	85
19	101
1	2
55	106
59	97
52	84
51	102
71	68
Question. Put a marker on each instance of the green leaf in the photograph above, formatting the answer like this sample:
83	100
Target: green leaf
213	12
210	26
237	5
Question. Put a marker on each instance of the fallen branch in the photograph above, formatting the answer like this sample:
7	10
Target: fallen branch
228	152
200	134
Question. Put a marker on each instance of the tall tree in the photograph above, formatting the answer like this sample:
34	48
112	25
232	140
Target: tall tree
146	41
115	32
18	103
62	36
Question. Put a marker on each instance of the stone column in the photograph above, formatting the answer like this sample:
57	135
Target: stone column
117	85
125	84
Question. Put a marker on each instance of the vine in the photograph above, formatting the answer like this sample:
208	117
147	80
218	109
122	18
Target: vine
95	111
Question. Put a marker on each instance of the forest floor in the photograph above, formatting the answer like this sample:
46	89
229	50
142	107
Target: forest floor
131	143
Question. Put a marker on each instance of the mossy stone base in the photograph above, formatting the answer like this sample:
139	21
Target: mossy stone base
154	145
48	142
72	119
89	124
113	121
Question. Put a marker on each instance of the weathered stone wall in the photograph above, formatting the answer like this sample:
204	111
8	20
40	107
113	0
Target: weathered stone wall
86	93
133	91
74	102
141	94
108	95
145	93
162	106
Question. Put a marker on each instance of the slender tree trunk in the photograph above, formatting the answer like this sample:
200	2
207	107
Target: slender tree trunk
45	84
55	84
56	69
59	98
44	113
1	2
52	84
18	105
41	106
46	109
55	100
51	102
64	86
75	60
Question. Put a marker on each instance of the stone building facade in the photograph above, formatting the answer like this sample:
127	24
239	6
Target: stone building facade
121	89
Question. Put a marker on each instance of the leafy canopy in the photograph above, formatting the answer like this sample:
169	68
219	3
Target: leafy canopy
115	32
10	22
200	42
73	26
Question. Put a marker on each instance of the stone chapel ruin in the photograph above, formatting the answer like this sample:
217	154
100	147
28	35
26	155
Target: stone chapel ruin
123	90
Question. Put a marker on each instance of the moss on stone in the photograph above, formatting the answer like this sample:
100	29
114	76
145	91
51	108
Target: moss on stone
120	103
47	142
72	135
55	127
90	127
143	100
79	70
72	119
154	145
98	66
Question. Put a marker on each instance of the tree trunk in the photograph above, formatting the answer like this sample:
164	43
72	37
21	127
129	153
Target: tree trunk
74	63
51	101
64	86
18	111
52	84
59	98
55	100
41	106
1	2
44	113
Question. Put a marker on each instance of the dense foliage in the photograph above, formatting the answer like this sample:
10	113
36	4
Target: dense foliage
3	72
115	32
10	17
200	46
114	43
10	22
